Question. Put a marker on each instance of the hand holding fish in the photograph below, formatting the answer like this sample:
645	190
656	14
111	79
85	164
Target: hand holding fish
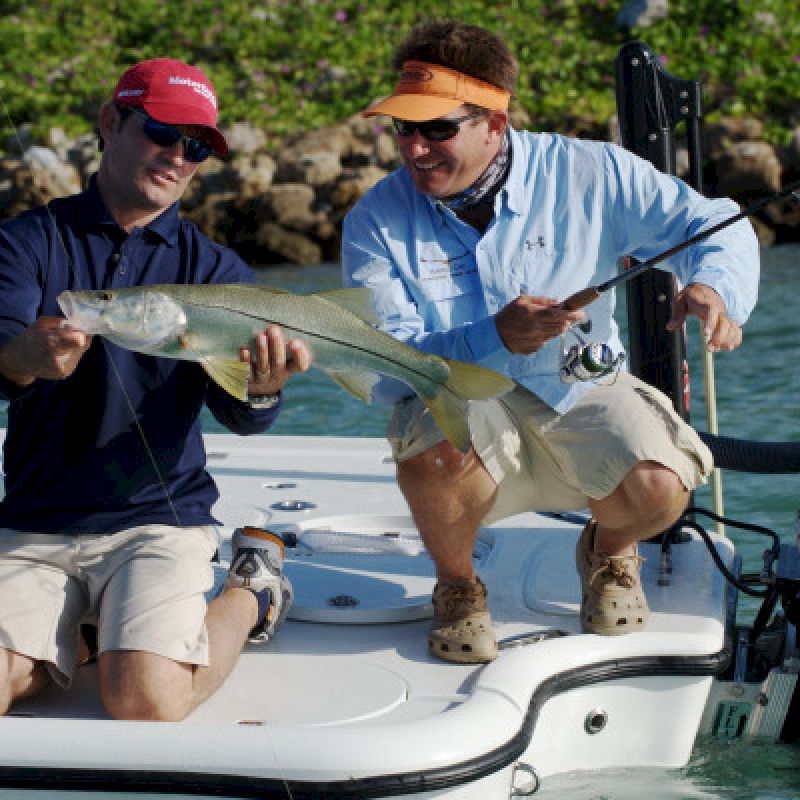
526	324
270	364
698	300
45	349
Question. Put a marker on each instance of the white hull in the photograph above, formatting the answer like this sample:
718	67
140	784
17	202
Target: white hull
346	701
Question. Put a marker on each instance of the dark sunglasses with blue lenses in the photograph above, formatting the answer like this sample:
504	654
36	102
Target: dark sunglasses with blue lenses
436	130
164	135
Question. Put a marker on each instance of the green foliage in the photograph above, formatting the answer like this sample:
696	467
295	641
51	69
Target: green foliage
294	65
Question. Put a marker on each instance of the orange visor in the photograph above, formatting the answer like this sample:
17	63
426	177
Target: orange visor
428	91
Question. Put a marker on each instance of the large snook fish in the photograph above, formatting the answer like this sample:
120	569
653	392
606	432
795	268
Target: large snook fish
209	323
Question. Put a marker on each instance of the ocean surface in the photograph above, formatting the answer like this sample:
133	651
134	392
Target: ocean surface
758	397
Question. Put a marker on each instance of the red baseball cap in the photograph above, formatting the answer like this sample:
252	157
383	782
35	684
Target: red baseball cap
172	92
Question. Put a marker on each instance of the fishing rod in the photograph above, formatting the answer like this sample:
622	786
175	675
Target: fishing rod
585	296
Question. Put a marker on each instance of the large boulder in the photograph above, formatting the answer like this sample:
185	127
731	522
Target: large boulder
245	139
280	245
35	179
314	168
748	170
641	13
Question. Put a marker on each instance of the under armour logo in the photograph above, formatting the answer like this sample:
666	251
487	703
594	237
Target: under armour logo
540	243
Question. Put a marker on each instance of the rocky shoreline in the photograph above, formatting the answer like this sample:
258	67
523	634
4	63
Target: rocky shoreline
286	205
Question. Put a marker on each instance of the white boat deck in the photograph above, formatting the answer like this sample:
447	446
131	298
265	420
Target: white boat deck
347	689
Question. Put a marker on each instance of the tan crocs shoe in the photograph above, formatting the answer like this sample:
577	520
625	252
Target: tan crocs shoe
612	600
462	628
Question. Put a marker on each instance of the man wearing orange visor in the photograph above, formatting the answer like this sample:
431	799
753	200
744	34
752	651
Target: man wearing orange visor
469	250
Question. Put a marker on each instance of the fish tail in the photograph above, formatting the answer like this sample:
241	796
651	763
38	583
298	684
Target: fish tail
465	382
472	382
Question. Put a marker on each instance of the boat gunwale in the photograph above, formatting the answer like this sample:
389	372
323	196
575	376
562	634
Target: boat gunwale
417	782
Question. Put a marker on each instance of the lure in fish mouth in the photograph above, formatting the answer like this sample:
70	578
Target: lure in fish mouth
137	321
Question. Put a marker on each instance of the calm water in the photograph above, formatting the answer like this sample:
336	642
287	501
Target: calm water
758	388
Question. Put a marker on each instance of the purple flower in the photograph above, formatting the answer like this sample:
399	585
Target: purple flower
340	15
796	58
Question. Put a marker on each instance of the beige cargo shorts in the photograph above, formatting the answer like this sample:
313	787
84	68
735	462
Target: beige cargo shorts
145	588
545	461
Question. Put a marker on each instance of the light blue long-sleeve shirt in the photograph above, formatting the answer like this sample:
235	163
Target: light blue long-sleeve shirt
569	210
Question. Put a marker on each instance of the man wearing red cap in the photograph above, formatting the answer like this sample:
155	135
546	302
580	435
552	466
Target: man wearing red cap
107	506
469	250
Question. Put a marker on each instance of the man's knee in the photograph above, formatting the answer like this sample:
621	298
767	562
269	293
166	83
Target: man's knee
649	491
655	484
143	686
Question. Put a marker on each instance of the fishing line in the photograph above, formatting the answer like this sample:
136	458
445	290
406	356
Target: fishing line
115	370
128	401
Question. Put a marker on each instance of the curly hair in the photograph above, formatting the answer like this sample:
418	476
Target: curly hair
465	48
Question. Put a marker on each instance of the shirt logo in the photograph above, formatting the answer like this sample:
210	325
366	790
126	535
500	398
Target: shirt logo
539	242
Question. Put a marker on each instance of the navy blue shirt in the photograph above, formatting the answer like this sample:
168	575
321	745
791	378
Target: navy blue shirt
77	455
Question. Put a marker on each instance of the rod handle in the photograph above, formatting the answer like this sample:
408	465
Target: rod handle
581	299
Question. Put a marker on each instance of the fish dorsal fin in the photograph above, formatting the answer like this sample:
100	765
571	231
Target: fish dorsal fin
357	383
230	373
248	287
357	300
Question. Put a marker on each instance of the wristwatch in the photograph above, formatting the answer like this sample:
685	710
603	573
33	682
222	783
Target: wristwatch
262	402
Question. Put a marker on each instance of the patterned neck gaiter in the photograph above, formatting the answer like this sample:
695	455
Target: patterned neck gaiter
486	187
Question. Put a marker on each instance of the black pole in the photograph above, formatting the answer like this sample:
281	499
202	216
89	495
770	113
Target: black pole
650	102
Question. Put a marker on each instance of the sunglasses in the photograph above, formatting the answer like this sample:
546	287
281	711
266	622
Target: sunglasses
164	135
435	130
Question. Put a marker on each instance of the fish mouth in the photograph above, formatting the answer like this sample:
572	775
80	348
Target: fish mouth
66	302
78	315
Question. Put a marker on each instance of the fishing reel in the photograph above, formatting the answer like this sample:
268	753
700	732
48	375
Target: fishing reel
587	361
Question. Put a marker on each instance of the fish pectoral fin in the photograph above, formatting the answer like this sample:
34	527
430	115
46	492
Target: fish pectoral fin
357	383
357	300
231	374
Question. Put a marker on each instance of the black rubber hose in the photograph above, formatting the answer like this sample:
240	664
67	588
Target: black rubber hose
743	455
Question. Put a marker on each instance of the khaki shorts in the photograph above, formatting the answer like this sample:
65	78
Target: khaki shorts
545	461
144	586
